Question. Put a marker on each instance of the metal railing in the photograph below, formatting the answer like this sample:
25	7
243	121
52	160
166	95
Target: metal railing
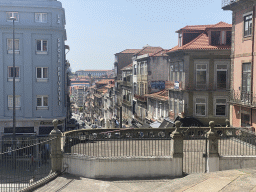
119	143
237	142
243	98
23	162
227	2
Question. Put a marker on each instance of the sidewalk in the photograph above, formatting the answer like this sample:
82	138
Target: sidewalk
231	180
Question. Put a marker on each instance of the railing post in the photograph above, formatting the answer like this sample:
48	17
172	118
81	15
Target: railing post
56	153
177	138
213	156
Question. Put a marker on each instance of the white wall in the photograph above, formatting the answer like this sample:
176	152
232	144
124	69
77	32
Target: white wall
136	167
237	162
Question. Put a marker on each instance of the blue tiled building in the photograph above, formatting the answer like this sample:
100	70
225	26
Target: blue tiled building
41	77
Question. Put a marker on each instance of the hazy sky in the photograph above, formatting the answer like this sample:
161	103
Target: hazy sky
97	29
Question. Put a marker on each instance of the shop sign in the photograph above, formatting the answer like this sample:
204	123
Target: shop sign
59	72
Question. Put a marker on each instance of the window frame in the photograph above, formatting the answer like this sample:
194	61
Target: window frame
12	12
198	103
41	18
42	106
42	79
10	51
10	78
215	106
221	62
206	63
41	51
245	21
10	102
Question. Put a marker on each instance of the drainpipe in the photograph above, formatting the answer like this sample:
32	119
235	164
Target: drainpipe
253	31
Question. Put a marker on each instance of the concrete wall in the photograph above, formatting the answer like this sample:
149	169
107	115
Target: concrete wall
236	162
139	167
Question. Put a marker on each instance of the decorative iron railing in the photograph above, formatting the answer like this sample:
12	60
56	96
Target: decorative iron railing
242	98
23	162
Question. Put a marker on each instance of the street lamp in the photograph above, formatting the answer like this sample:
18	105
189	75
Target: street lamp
13	74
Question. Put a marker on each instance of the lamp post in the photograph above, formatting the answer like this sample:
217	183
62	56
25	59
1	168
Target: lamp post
13	74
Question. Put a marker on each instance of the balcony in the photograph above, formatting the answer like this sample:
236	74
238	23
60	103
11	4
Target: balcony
242	98
225	3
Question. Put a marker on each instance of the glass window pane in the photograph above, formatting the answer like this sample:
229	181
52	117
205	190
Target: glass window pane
10	71
38	47
221	79
45	73
38	72
39	101
221	101
9	44
200	109
44	17
37	17
10	101
200	100
221	110
16	44
45	101
17	72
44	45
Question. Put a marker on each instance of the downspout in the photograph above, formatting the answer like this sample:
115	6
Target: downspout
253	31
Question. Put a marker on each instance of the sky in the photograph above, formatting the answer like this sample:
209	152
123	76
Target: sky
97	29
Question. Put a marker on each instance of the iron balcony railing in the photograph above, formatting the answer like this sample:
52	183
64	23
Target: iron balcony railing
242	98
227	2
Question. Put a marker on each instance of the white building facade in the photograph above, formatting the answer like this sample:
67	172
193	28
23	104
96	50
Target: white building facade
41	69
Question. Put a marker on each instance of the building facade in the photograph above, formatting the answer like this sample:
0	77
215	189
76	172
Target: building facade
150	72
199	72
41	68
243	93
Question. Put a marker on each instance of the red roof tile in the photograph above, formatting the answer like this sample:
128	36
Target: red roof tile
161	95
149	50
200	43
221	25
130	51
128	67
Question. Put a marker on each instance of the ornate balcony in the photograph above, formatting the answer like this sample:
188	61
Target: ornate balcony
242	98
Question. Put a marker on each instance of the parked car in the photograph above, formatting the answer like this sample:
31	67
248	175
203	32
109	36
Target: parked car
94	126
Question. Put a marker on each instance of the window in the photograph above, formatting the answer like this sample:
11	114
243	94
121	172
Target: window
201	76
10	102
135	69
246	77
200	106
138	67
245	119
228	37
221	76
248	25
215	37
12	14
220	107
11	72
41	46
135	88
42	102
42	74
10	46
142	68
41	17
